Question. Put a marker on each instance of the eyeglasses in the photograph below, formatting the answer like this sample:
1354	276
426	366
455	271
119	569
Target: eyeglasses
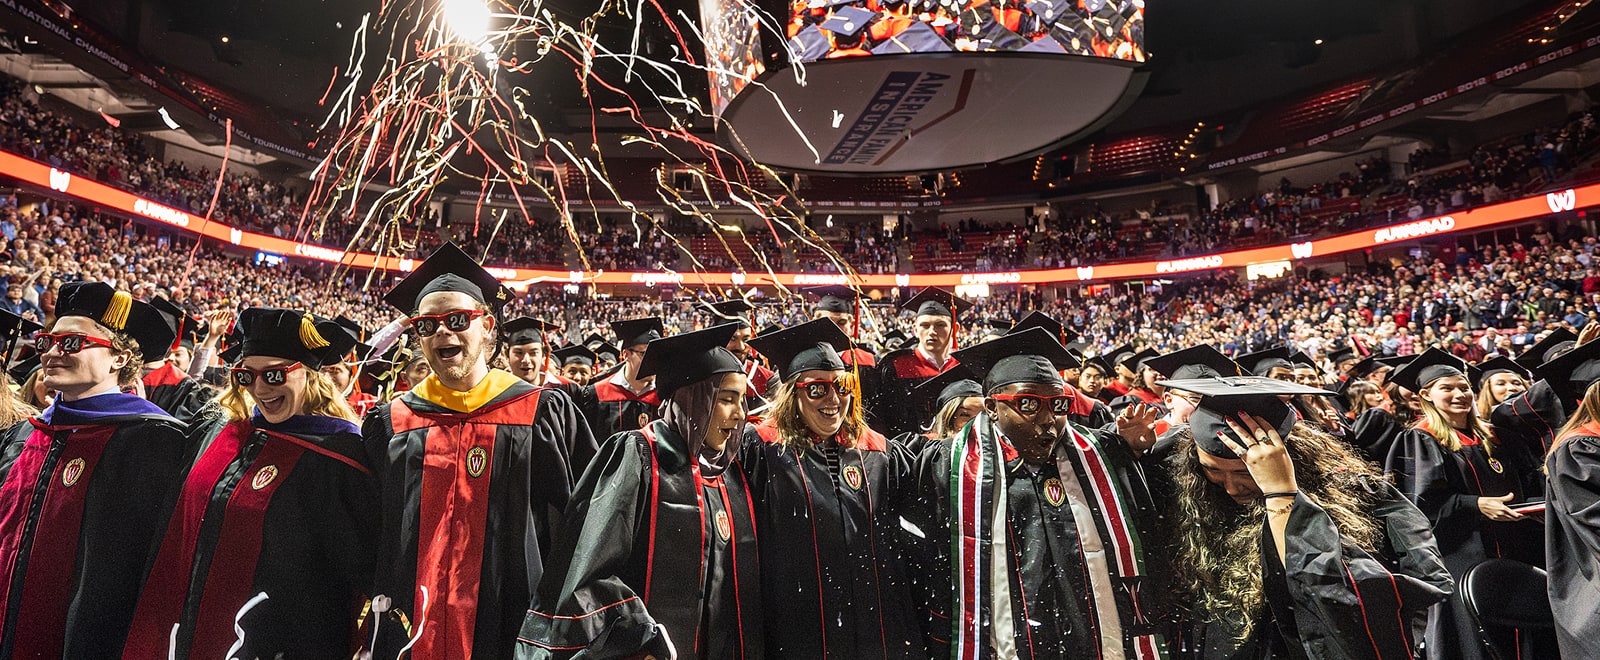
818	389
1031	404
245	376
454	321
68	342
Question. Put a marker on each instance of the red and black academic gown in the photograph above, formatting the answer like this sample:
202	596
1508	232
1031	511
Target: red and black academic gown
1136	395
1526	424
175	392
1086	411
86	491
828	561
1446	486
1329	599
362	403
657	554
1572	533
469	500
287	510
891	412
611	408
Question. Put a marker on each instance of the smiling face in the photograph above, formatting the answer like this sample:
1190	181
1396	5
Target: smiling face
92	370
339	374
727	410
459	358
823	416
1504	385
276	402
1451	395
526	361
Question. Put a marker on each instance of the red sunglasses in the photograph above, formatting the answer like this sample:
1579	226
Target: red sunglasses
245	376
1031	404
817	389
68	342
454	321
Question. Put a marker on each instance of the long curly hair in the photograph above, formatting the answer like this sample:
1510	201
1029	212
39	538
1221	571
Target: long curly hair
785	414
1218	540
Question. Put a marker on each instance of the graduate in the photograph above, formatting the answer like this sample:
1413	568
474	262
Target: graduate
527	353
842	305
87	485
1144	389
657	555
276	528
345	373
900	370
1039	524
823	485
759	376
474	468
577	363
1084	410
1093	377
168	384
1465	481
956	398
1572	526
627	399
1287	544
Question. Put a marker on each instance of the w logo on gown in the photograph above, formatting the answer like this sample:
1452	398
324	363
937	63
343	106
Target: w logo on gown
724	526
72	472
477	460
852	476
1054	492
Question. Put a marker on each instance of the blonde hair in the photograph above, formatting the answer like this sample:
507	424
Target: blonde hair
1436	425
13	408
1485	402
321	399
792	431
30	387
1588	412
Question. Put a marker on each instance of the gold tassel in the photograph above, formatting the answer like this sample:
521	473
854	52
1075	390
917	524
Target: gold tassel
116	316
309	337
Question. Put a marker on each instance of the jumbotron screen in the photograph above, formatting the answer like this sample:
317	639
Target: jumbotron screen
829	29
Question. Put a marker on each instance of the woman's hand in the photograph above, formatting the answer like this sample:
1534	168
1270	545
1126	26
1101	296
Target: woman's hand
1137	426
1496	509
1263	454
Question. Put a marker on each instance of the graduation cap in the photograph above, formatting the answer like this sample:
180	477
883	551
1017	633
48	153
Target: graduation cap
595	340
1342	355
118	311
849	21
918	37
293	335
353	326
1057	329
633	332
1030	356
1141	359
232	344
1047	11
1548	348
689	358
805	347
448	269
809	44
1222	399
186	329
20	371
730	311
1200	361
1396	361
1497	365
894	338
526	330
1430	366
607	353
1300	359
936	302
957	382
12	329
1366	367
1044	44
1114	357
1260	362
1571	373
575	354
834	298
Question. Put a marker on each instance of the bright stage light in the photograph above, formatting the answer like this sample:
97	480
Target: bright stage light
469	19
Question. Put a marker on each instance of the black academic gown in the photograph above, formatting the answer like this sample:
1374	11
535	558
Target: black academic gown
469	502
1330	600
828	558
289	511
611	409
1066	588
1572	536
1372	434
1446	486
175	392
657	554
86	491
1526	424
890	408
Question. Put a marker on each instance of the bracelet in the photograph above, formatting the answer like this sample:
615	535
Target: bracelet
1287	493
1286	508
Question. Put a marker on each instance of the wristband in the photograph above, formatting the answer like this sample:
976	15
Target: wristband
1287	493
